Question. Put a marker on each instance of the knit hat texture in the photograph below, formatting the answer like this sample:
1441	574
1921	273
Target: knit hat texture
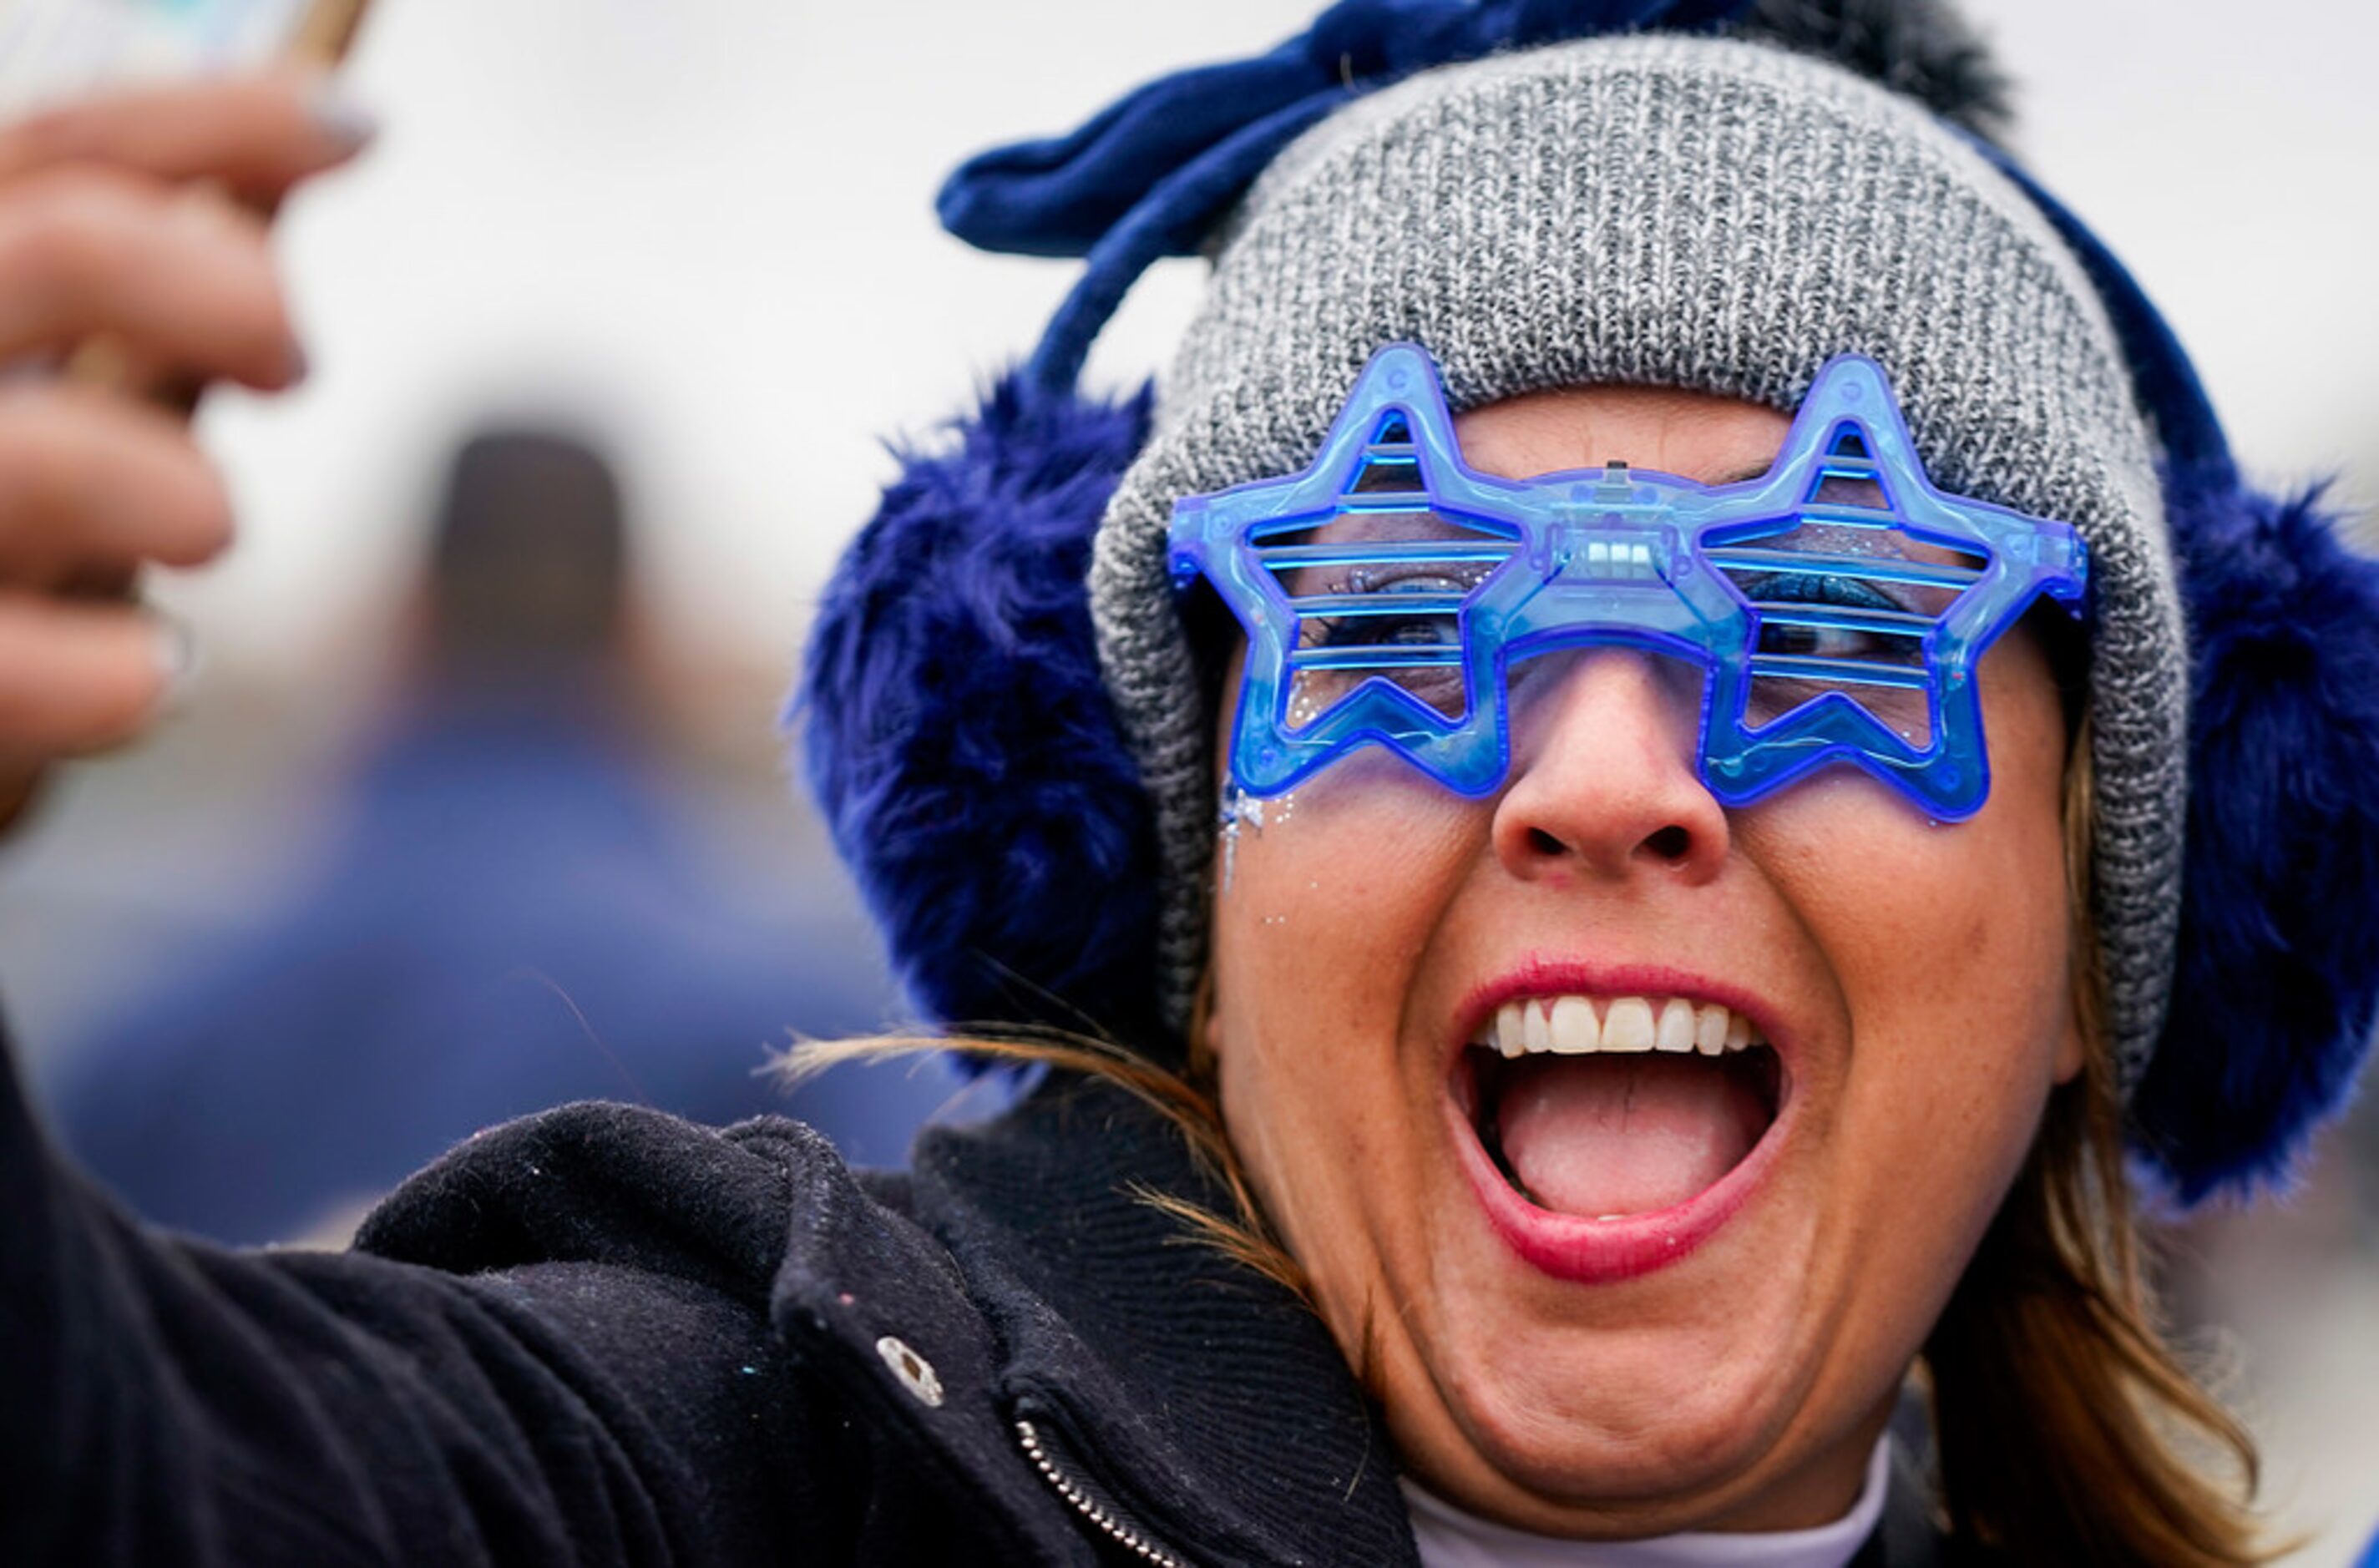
1684	211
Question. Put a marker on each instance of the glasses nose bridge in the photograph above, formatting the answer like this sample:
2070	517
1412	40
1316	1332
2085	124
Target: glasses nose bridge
1612	695
1612	578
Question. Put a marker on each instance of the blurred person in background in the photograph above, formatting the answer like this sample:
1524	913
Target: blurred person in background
508	919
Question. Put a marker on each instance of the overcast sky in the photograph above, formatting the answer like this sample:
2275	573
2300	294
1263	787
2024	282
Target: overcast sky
705	227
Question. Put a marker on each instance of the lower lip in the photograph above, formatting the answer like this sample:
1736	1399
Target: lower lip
1588	1251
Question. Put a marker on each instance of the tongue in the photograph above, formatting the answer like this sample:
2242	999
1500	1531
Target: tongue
1609	1134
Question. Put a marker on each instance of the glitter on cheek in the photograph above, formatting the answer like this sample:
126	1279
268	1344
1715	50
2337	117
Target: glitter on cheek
1241	811
1238	808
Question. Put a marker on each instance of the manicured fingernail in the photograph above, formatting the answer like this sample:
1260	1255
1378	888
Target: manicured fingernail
178	659
347	123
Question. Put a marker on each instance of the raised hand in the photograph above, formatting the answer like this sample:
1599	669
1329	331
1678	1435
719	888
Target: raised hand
132	238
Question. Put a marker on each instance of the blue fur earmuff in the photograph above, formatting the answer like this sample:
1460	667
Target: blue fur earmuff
958	736
2277	977
959	739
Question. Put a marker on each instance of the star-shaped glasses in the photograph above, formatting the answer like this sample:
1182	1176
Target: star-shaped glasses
1838	603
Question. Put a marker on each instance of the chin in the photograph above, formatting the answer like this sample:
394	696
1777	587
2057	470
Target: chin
1658	1419
1643	1437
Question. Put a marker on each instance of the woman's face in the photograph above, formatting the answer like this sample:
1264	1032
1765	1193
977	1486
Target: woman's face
1698	1313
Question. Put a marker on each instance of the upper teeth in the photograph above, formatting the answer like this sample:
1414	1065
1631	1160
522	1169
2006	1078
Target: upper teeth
1571	1026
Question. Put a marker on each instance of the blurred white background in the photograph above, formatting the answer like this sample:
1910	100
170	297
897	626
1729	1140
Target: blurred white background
704	228
710	222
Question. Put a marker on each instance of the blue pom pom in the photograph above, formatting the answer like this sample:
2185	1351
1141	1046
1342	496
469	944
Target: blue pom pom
2277	984
958	736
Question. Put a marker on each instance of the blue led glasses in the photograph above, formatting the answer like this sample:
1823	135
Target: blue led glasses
1838	604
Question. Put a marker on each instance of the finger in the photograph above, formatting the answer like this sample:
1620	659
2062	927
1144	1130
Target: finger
19	787
76	679
92	484
258	135
180	279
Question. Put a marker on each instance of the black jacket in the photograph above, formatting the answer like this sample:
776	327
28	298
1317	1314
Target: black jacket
603	1335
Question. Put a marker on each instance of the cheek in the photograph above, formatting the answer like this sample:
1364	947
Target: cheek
1322	896
1951	967
1949	945
1324	912
1961	930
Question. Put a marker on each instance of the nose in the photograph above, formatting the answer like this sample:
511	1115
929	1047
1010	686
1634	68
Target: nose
1606	779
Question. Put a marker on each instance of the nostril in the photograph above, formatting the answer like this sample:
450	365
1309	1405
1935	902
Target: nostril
1545	843
1670	843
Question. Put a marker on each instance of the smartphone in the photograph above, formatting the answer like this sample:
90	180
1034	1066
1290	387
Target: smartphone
54	51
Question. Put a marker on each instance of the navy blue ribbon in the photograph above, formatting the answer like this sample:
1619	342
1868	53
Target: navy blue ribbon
1148	176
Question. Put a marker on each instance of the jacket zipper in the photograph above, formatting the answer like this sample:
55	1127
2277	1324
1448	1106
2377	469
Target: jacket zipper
1086	1505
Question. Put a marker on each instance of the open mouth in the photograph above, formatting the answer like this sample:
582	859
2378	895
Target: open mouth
1610	1108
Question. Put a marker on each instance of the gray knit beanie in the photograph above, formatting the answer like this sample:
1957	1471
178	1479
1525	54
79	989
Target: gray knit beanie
1672	211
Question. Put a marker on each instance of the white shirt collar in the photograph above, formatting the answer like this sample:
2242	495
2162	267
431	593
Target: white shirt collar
1449	1537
